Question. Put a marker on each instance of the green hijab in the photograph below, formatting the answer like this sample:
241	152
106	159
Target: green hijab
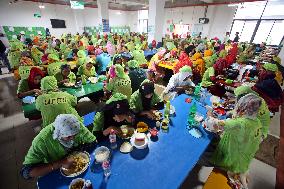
49	83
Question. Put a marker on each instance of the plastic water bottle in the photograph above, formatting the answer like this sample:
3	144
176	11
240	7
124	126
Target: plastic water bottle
106	168
203	97
112	139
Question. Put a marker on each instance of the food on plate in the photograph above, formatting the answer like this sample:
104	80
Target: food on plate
126	147
101	154
78	184
142	127
158	115
165	124
79	164
139	139
93	79
69	84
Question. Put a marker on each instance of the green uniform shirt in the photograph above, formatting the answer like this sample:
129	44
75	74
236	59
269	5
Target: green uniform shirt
45	149
98	121
52	104
264	117
136	101
14	58
206	81
238	145
23	86
119	85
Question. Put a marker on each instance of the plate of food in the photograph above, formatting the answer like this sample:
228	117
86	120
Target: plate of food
69	84
142	127
139	140
77	183
81	163
126	132
126	147
93	79
158	115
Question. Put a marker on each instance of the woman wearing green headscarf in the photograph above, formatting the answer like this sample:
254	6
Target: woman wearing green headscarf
54	102
115	114
82	57
65	75
121	83
50	148
144	101
36	55
240	140
87	69
14	55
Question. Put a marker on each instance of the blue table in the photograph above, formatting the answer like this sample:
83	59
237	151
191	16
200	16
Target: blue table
166	162
150	52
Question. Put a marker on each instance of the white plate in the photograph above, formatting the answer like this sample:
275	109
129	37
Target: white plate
93	79
132	141
84	154
172	110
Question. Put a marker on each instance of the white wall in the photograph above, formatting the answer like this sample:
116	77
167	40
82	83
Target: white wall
21	14
220	18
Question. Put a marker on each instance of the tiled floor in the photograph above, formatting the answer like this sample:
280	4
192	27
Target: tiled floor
17	133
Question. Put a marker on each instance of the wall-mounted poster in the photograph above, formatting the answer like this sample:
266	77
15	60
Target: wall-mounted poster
105	25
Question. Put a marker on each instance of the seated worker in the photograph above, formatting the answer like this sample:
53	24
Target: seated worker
73	55
210	77
136	74
54	102
50	148
263	113
240	140
115	113
144	101
121	83
178	83
87	69
65	75
31	85
268	88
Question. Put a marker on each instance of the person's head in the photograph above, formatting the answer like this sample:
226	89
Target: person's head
227	33
133	64
89	65
74	52
118	106
52	58
65	70
117	59
185	72
146	89
66	127
48	83
237	33
35	77
268	71
248	106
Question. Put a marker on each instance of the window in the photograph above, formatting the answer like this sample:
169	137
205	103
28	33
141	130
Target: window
260	21
142	21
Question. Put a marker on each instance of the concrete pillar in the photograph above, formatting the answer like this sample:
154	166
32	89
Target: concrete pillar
104	15
156	20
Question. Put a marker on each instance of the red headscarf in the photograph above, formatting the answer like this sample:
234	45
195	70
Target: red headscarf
154	43
220	65
33	73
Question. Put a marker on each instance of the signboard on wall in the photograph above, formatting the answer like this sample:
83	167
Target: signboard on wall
105	25
12	31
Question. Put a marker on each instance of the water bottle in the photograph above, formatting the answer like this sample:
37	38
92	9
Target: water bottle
106	168
112	139
203	97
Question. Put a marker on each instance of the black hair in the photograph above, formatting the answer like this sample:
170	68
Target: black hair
65	66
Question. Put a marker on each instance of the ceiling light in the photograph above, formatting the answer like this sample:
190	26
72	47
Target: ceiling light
41	6
119	13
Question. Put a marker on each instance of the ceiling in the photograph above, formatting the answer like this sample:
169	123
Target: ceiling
143	4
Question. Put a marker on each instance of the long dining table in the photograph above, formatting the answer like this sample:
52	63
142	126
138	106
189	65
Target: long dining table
164	164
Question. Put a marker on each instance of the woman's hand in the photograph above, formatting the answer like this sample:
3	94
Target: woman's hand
108	130
67	162
37	92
